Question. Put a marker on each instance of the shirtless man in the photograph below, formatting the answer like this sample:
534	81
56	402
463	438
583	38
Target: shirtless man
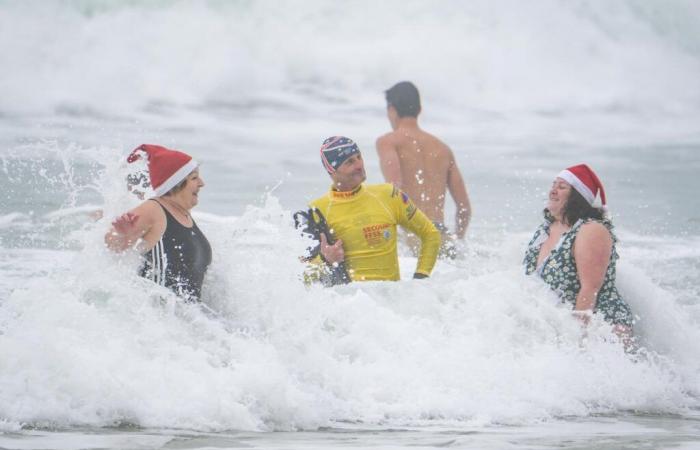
419	163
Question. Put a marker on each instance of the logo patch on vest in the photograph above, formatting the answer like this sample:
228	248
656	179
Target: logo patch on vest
374	233
410	207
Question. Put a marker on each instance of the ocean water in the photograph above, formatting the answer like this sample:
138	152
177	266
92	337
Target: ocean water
477	356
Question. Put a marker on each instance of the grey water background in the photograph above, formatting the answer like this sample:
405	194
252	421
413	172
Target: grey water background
252	88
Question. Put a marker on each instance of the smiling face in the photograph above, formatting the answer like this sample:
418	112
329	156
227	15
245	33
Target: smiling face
350	174
558	197
188	196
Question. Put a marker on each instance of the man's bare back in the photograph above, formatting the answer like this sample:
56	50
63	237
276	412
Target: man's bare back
418	162
423	162
425	168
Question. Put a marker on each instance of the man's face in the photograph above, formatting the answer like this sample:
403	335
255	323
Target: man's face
350	174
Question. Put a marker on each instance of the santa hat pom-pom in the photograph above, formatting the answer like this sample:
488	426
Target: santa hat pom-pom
138	153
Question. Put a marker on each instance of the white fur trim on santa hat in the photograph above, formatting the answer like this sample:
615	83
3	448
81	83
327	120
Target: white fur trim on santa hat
577	184
175	178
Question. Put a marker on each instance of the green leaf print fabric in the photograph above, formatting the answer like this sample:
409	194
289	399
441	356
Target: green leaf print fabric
558	270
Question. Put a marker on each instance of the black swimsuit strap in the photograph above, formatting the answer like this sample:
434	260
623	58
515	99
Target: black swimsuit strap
169	215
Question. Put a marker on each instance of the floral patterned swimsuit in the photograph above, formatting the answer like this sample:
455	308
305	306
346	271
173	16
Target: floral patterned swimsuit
558	270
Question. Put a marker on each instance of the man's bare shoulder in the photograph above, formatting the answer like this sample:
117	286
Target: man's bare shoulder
433	146
436	143
390	138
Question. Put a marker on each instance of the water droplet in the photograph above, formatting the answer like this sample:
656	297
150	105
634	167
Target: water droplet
419	176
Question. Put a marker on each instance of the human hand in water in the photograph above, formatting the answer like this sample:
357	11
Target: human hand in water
125	224
332	253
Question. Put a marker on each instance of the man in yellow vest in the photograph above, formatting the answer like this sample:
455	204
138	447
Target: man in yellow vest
360	236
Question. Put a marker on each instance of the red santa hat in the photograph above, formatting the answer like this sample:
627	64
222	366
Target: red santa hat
585	181
165	167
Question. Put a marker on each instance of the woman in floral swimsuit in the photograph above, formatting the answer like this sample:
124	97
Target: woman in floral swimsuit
573	251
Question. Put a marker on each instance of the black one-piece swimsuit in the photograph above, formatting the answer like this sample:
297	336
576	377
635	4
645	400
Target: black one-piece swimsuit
179	259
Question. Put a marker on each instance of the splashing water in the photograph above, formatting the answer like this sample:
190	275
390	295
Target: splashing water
91	343
85	342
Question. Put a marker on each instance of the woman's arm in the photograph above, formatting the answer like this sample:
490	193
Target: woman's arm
592	250
146	222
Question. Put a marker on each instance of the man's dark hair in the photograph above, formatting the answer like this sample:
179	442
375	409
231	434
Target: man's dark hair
405	98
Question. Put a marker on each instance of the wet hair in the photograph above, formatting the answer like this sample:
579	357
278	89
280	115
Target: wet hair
405	98
577	208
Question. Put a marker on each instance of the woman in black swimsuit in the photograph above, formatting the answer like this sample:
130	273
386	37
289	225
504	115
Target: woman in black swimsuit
176	252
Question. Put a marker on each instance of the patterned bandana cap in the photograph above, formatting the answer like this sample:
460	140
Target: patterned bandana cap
335	150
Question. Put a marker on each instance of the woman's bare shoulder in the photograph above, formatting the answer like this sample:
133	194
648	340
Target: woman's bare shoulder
594	232
150	211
